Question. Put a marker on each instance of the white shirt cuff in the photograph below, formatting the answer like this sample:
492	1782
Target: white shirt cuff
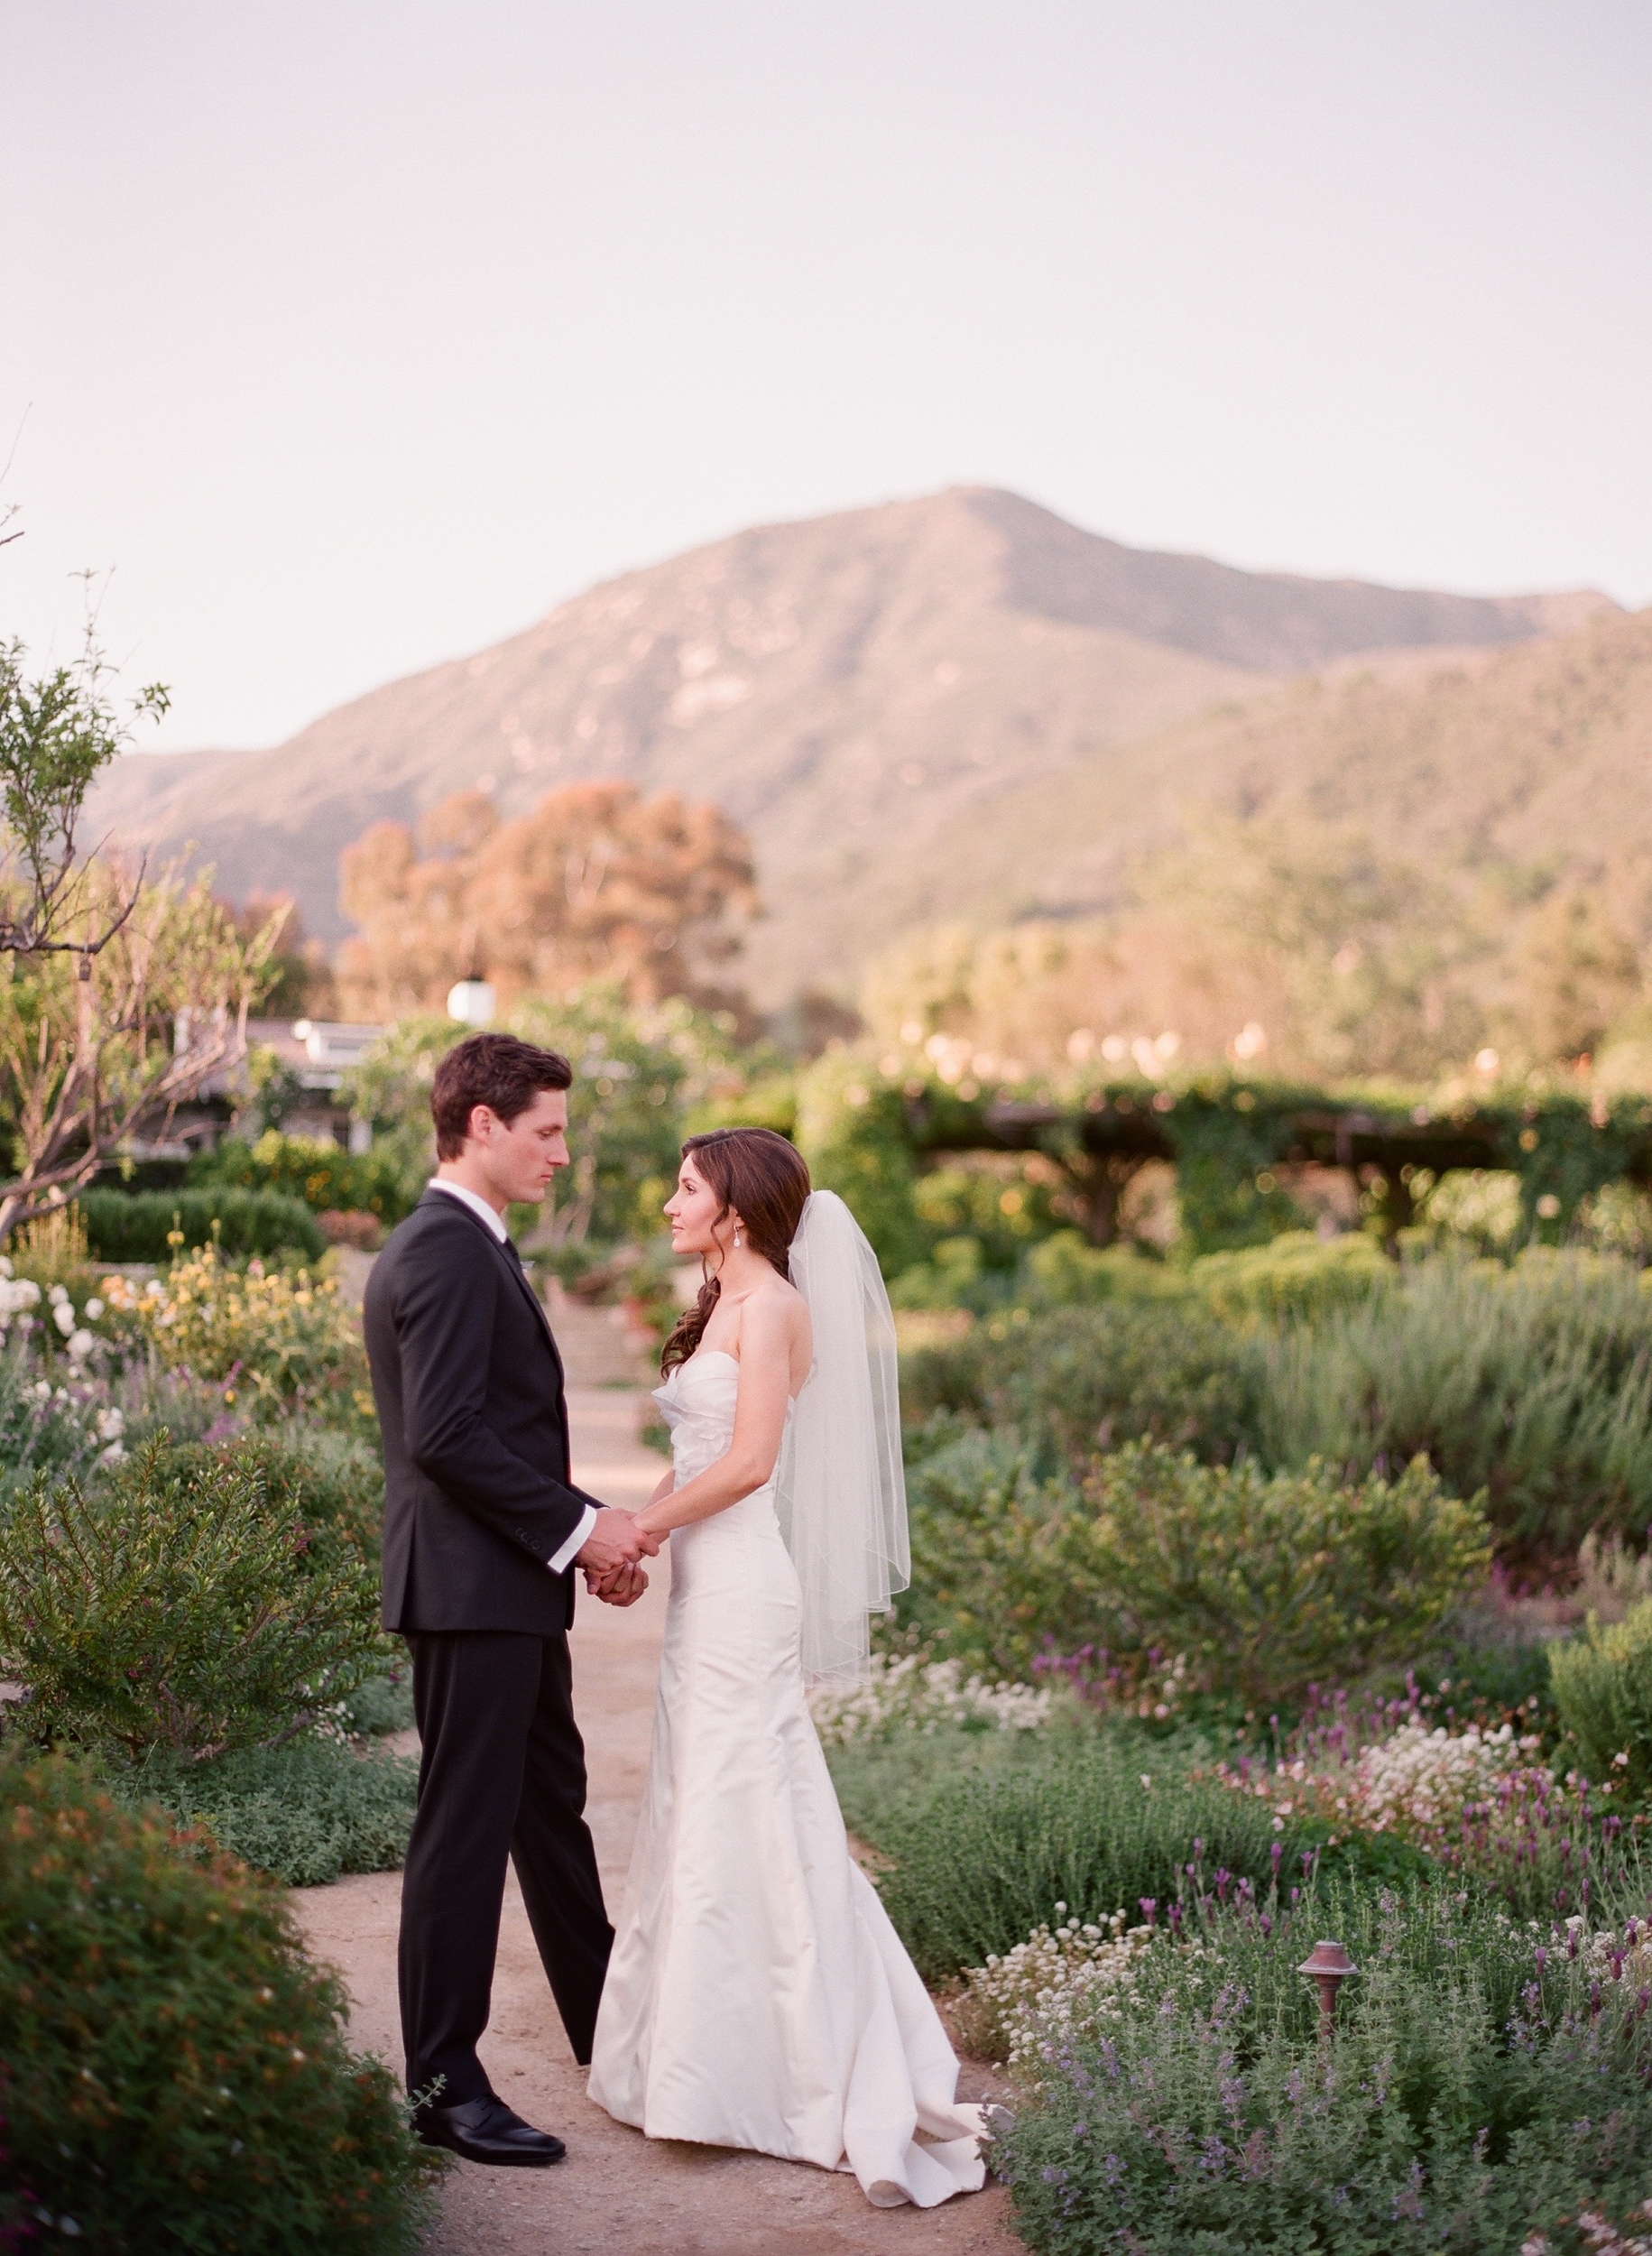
563	1559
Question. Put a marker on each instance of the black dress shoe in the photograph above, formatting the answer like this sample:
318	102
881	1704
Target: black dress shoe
487	2130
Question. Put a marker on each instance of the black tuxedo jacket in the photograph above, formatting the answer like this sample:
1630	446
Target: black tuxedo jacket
468	1385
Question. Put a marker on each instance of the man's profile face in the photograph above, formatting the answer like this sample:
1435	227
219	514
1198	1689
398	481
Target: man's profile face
521	1156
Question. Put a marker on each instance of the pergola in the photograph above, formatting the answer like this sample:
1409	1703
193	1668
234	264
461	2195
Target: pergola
1561	1145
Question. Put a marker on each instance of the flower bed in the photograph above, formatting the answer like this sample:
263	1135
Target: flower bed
1486	2078
280	1339
908	1693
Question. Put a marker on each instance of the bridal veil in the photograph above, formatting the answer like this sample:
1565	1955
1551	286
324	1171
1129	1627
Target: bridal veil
841	1492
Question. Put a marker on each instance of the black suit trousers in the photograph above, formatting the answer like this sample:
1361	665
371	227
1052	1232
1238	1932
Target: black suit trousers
502	1773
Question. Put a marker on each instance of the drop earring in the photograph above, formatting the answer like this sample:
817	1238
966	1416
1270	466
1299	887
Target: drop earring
737	1233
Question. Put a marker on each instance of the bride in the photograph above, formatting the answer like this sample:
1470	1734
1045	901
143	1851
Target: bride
757	1995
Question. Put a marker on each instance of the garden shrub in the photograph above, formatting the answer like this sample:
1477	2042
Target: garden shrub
380	1705
1297	1274
304	1812
313	1170
165	1611
1085	1379
1268	1585
1603	1689
979	1860
1533	1383
1483	2083
144	1226
180	2082
987	1587
1261	1586
1067	1272
329	1484
282	1340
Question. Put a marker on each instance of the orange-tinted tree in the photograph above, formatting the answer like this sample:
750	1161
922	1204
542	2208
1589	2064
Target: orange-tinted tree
595	882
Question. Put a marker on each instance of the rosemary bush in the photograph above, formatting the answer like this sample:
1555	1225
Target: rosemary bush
1532	1383
1085	1379
165	1611
979	1860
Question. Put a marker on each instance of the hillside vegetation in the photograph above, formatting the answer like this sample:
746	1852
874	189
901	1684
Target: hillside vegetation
958	704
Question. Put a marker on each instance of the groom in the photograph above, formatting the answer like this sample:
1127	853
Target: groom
483	1530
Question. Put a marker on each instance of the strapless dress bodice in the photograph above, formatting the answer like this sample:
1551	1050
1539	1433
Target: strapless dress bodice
698	1403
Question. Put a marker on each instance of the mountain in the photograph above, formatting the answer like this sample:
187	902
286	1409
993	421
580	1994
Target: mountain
1526	768
873	694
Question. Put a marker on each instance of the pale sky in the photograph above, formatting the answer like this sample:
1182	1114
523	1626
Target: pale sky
356	336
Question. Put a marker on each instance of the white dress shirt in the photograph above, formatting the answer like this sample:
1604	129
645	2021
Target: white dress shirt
561	1561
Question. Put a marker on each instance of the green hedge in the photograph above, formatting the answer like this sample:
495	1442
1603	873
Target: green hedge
322	1173
136	1225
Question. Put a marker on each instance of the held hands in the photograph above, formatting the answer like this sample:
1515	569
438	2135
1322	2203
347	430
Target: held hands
611	1556
623	1588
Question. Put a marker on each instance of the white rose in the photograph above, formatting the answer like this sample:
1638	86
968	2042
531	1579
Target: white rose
63	1316
5	1267
56	1295
93	1308
81	1345
111	1424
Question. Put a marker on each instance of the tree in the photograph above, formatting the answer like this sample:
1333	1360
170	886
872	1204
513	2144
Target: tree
596	882
637	1069
89	1054
1578	972
120	998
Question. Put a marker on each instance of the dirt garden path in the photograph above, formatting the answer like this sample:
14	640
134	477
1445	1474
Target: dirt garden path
617	2194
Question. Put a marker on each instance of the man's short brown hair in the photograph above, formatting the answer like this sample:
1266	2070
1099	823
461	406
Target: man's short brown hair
491	1070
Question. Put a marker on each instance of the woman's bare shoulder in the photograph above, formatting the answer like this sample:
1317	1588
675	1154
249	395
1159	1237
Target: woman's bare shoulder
776	1303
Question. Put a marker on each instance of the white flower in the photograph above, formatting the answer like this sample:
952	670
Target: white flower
94	1309
18	1293
112	1454
1054	1985
41	1390
81	1345
54	1293
154	1289
111	1423
920	1696
63	1316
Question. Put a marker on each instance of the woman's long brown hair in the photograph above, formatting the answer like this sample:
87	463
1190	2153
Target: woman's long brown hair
762	1178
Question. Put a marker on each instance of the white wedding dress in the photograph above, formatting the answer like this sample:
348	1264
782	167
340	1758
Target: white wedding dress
758	1996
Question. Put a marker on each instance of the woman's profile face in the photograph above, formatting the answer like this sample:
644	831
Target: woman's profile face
694	1209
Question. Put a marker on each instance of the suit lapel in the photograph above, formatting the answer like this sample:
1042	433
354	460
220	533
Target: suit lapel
519	1278
513	1268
